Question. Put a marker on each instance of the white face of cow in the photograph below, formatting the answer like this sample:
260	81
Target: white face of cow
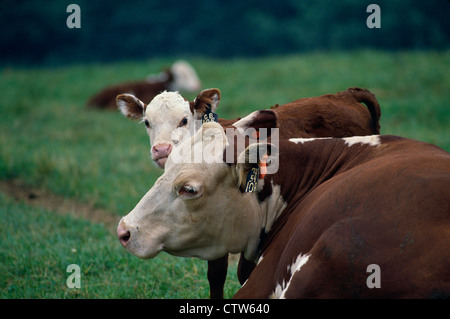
165	118
195	209
169	118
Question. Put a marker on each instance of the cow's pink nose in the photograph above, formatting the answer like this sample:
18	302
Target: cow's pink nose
123	234
161	150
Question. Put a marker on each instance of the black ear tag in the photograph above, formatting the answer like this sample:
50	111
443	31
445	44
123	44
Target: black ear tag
252	180
209	116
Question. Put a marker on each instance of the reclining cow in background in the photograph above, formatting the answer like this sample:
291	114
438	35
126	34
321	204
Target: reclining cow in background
335	209
181	76
338	115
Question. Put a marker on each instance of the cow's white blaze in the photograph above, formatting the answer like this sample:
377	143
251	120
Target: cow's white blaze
282	288
260	259
164	114
306	140
372	140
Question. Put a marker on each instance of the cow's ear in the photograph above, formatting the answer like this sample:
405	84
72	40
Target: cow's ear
257	120
206	99
130	106
254	163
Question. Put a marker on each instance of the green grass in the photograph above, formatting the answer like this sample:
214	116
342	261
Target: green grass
38	245
49	139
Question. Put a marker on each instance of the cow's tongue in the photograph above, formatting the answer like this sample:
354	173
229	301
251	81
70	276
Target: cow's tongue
161	162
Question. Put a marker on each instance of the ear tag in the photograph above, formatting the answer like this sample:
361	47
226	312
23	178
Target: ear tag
255	135
209	116
263	166
252	180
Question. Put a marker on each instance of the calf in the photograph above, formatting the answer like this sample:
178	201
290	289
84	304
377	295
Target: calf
333	208
338	115
180	77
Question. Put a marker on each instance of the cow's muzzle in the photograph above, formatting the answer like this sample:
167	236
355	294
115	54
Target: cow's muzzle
123	234
160	153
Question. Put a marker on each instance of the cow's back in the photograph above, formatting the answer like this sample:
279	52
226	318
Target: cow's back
337	115
143	90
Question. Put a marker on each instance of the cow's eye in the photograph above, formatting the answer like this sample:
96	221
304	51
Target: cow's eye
183	122
188	192
146	122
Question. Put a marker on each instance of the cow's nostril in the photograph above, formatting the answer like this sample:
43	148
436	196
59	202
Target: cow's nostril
123	234
124	238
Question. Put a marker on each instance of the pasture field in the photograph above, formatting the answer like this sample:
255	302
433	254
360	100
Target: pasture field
50	140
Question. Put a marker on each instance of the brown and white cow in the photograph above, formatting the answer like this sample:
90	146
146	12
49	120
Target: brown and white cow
181	76
337	115
336	209
169	114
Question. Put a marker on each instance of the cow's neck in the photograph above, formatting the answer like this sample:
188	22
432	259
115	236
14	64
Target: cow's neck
303	166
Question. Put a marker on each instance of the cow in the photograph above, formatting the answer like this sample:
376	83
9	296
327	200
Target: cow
338	115
181	76
335	209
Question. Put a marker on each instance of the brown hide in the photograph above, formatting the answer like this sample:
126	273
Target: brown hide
143	90
350	207
336	115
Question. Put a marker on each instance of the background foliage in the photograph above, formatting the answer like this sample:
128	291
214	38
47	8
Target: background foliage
36	32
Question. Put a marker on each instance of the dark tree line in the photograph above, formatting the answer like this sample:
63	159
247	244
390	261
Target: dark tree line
35	32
